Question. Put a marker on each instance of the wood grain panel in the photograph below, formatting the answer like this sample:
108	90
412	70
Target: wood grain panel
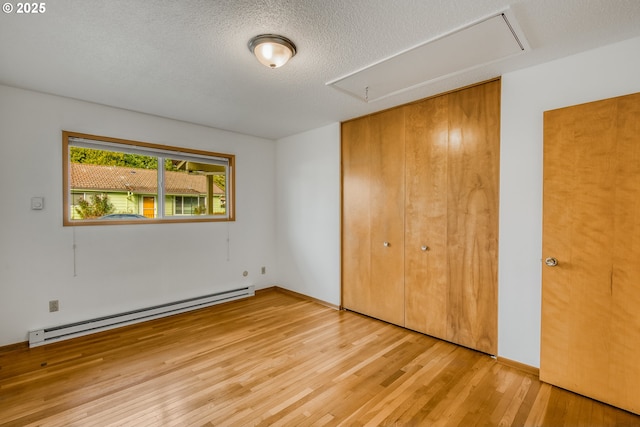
625	279
558	187
472	215
387	215
356	215
277	360
591	300
585	144
433	181
426	280
373	213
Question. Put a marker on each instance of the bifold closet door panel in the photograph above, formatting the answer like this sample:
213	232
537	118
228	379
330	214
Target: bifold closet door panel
387	216
373	216
426	281
356	215
472	216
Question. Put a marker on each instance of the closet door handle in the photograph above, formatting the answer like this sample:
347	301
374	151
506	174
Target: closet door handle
424	248
551	262
386	244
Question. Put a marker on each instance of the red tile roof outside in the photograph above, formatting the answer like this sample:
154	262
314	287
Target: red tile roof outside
140	181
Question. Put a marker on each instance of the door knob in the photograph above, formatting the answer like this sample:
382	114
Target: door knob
386	244
551	262
424	247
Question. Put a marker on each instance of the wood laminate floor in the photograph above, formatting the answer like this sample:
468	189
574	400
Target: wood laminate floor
275	359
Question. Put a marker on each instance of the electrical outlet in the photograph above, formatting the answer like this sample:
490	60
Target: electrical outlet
264	270
53	306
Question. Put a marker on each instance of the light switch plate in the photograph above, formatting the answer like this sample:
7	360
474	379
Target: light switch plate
37	203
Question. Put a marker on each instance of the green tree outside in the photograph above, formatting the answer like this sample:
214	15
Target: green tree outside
97	207
113	158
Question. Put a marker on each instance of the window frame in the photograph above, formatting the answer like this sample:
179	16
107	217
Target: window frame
158	150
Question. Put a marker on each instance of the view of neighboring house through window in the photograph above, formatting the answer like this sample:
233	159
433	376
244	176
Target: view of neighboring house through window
109	180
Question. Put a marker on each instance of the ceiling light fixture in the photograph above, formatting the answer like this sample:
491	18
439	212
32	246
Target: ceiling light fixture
272	50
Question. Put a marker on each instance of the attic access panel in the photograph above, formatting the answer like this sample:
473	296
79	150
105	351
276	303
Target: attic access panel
479	44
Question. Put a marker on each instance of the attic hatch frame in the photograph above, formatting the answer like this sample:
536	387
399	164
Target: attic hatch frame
488	40
193	161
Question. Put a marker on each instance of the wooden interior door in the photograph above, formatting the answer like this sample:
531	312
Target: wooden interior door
426	281
472	216
590	332
373	216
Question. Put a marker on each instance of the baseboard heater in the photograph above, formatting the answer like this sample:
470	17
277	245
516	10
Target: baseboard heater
58	333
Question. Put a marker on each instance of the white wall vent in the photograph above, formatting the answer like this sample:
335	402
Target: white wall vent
58	333
478	44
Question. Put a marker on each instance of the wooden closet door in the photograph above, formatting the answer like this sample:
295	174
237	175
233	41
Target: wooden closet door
426	281
356	215
387	216
373	216
472	216
591	299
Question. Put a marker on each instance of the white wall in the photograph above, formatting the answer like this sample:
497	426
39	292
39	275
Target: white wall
116	268
598	74
308	212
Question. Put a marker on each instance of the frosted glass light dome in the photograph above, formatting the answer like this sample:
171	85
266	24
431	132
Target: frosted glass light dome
272	50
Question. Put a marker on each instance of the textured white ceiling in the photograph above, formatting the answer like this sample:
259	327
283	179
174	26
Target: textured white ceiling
189	60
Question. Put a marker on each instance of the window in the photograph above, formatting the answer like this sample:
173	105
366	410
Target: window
109	181
189	205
